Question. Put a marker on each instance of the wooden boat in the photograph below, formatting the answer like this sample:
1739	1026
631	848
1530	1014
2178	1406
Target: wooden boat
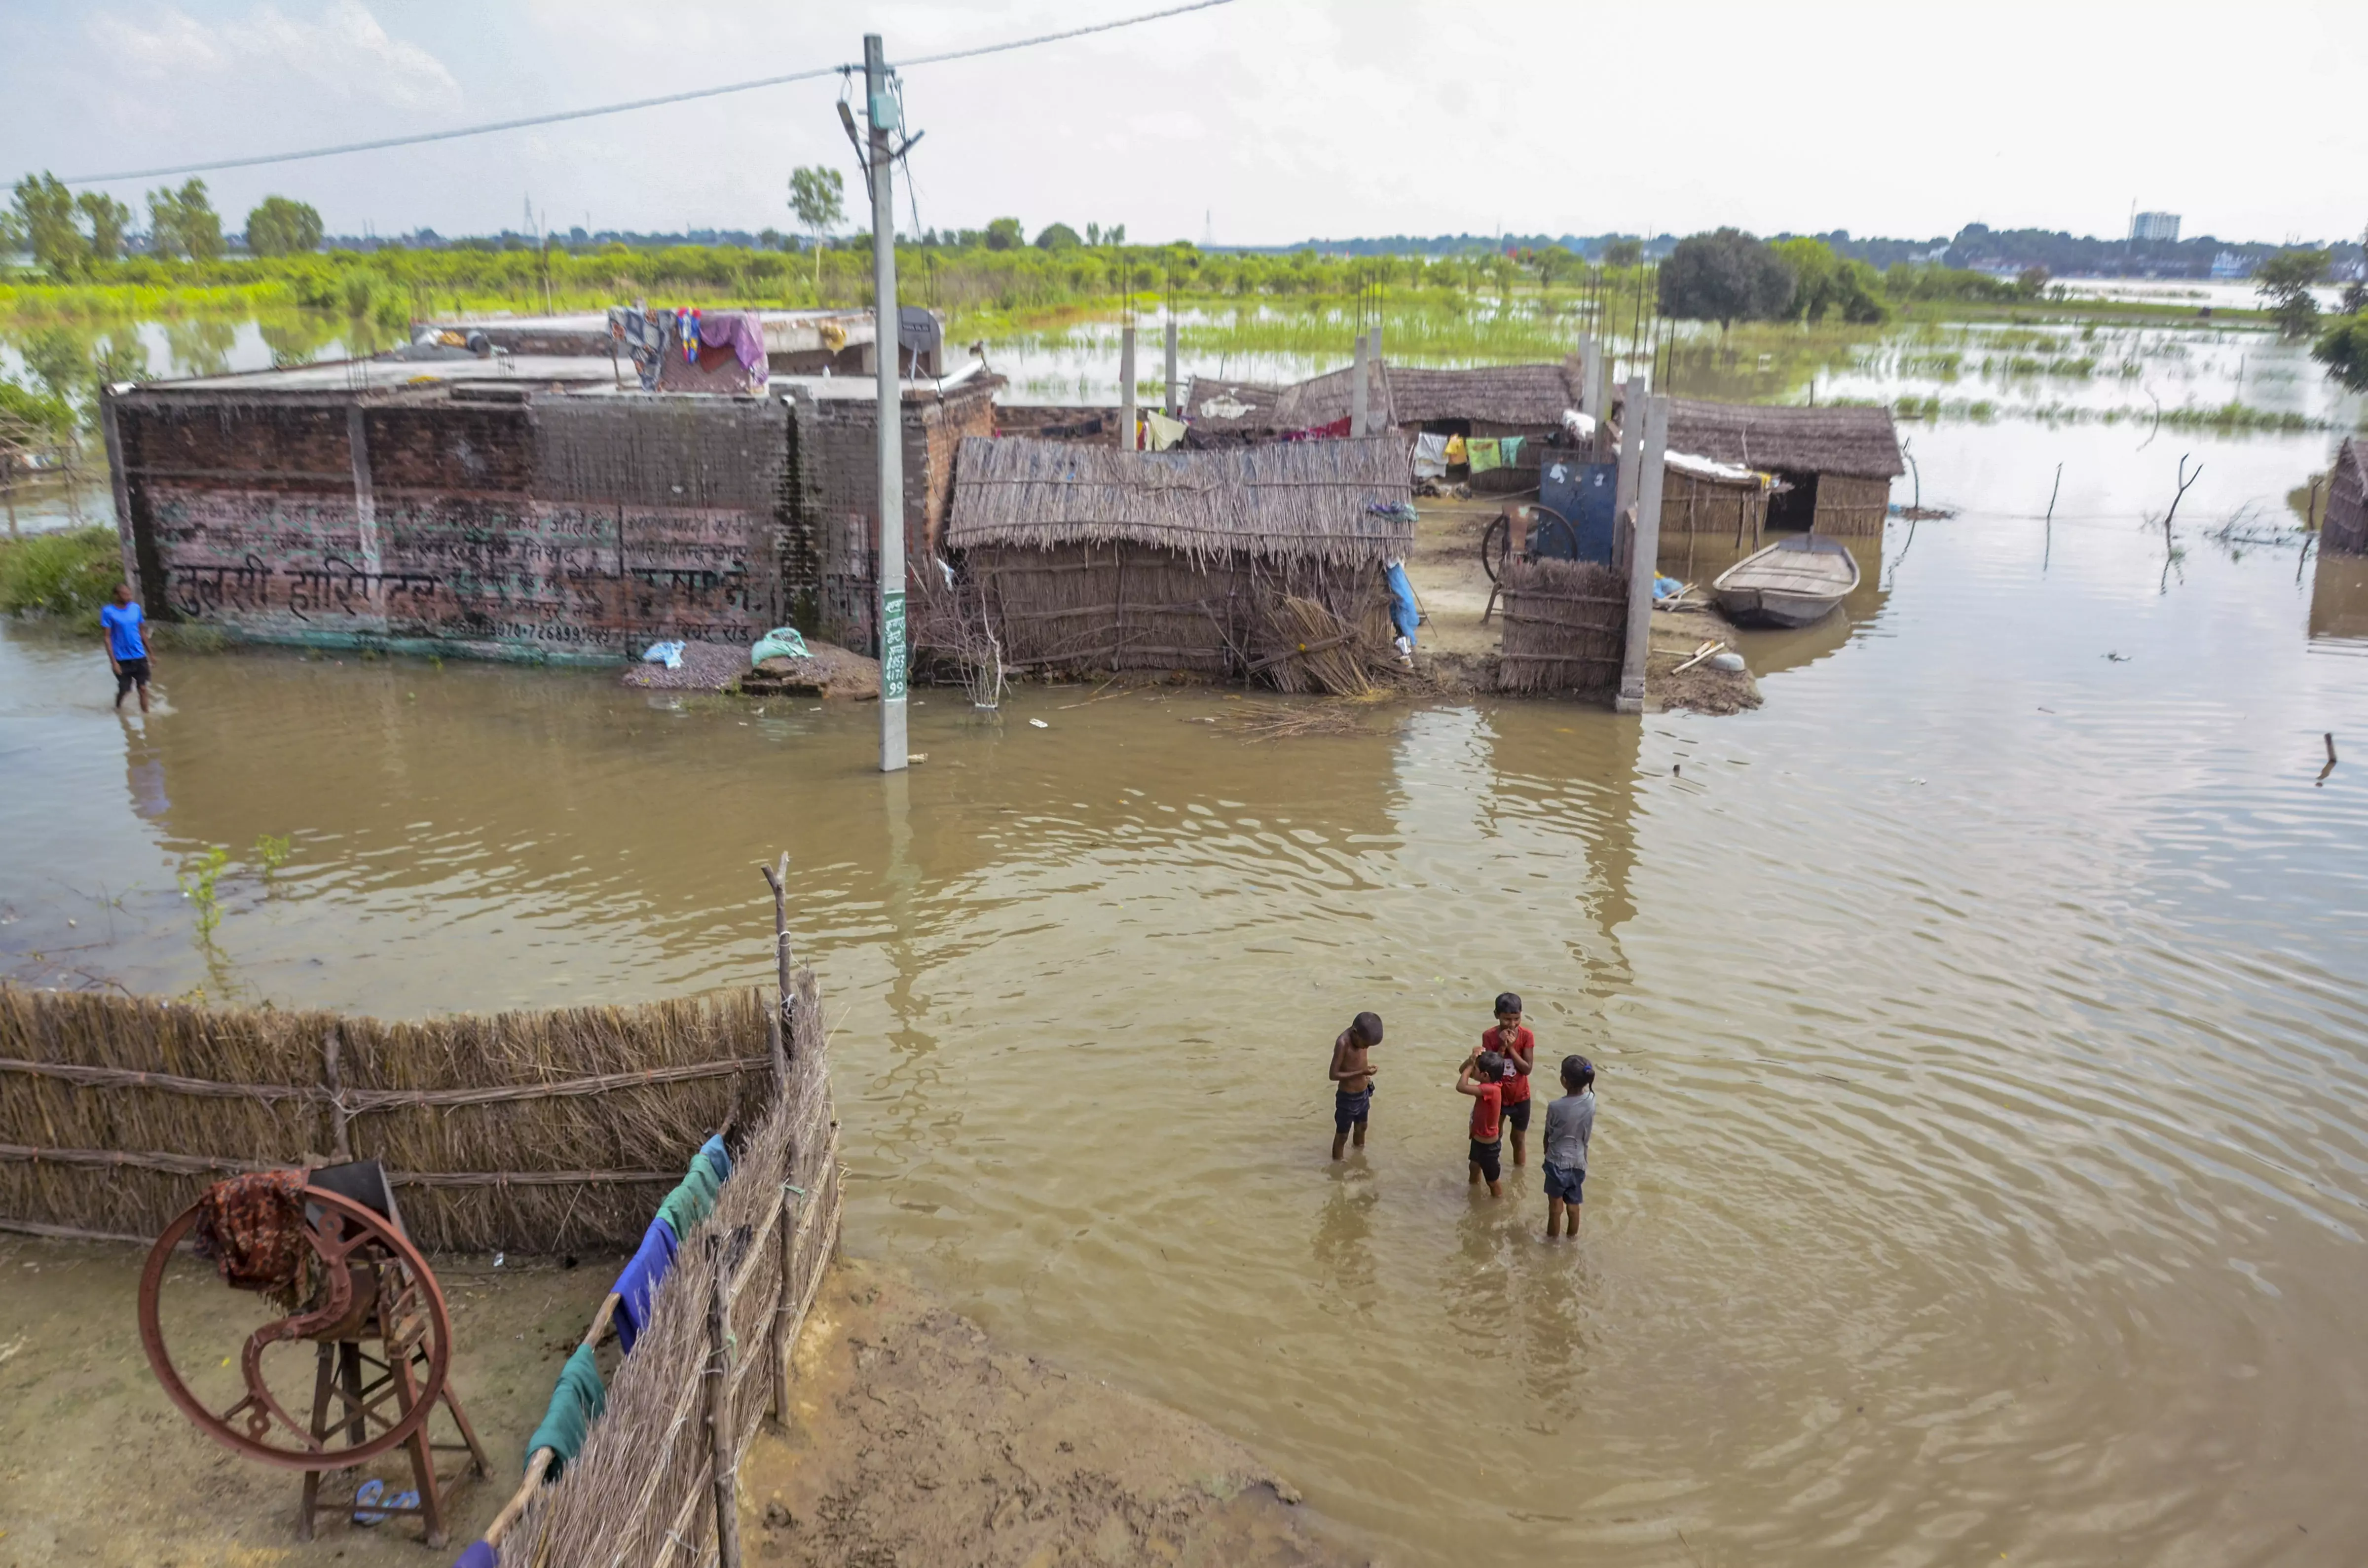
1792	583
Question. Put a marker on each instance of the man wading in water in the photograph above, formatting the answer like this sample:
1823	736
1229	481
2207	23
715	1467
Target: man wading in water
127	652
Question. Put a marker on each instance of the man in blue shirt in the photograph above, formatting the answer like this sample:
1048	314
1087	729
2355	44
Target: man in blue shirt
126	652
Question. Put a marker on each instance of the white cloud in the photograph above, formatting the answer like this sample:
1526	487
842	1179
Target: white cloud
342	47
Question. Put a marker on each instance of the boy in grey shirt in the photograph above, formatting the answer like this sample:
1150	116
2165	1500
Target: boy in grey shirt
1570	1122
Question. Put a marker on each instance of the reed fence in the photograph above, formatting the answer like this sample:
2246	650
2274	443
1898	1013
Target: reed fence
528	1131
1566	627
656	1483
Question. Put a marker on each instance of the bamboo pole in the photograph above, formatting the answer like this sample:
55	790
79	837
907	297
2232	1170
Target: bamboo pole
781	1348
781	1036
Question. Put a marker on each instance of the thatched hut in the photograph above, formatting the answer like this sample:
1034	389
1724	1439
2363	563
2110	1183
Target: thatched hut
1218	408
1207	562
2345	531
1489	402
1837	463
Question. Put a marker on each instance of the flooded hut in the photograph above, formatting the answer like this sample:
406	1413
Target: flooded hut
1836	464
1216	562
2345	530
1518	408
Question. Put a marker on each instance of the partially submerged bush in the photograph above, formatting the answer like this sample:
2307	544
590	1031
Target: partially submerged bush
69	574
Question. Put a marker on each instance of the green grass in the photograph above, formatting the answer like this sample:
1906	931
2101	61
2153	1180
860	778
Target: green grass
66	576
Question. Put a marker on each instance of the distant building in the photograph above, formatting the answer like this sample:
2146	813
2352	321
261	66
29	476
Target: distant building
2161	226
2228	264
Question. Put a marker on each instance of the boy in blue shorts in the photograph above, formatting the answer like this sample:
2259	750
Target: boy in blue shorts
1570	1122
1352	1080
1482	1076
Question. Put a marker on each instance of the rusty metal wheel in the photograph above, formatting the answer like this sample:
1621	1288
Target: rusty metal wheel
373	1285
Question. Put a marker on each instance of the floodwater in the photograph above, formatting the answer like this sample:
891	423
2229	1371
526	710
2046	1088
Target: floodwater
1982	1169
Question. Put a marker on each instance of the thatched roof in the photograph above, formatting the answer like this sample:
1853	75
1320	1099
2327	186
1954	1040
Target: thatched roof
1217	404
1498	395
1292	500
2351	464
1331	397
1858	442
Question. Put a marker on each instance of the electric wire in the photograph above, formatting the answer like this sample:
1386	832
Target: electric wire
816	73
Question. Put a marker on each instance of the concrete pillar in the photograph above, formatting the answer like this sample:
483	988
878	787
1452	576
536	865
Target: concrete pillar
1126	388
1175	387
1360	393
1631	447
1644	549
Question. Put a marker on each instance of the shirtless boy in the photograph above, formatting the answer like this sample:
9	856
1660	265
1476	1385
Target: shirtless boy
1352	1080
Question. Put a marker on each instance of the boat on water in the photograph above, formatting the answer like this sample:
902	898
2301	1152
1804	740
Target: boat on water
1792	583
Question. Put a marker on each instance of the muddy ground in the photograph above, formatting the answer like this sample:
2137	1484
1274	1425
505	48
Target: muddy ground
98	1467
918	1444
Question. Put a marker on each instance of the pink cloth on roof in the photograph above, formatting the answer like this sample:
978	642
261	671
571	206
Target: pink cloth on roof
739	329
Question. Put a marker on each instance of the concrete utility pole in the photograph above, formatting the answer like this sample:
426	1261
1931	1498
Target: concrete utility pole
1126	388
888	353
1174	391
1645	551
1360	405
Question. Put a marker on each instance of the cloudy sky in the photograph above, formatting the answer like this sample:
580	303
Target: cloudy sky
1266	120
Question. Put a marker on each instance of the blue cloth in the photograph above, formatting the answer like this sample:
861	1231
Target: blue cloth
718	1158
479	1555
639	1283
1565	1183
1664	588
1349	1109
1403	615
122	623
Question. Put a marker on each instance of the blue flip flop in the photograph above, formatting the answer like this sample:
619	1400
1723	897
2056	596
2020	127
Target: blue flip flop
370	1490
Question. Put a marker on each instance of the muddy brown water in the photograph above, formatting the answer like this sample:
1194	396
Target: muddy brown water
1981	1162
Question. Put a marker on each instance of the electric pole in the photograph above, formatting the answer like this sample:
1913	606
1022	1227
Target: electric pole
887	352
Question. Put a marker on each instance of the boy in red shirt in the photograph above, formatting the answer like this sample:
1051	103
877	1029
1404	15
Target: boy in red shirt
1487	1116
1520	1049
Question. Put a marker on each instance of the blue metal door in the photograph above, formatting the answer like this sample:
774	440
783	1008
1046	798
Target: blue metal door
1582	494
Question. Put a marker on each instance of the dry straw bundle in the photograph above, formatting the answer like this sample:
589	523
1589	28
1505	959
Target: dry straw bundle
1566	627
535	1131
1310	649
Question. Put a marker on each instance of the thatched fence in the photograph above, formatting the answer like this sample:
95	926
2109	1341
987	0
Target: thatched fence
655	1482
543	1131
1091	558
1566	627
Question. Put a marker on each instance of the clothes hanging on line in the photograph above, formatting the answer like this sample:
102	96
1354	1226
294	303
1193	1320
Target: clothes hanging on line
1162	431
1482	454
1456	454
1429	456
1510	448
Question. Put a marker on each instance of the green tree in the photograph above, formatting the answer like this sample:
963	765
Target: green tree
2355	294
1623	253
44	213
2032	282
1005	233
184	222
1058	236
1825	284
1726	276
818	201
2343	349
2284	281
280	227
58	359
108	218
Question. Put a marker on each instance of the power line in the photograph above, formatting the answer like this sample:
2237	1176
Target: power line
809	75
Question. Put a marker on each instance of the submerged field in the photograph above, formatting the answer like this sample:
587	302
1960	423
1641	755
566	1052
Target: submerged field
1979	1171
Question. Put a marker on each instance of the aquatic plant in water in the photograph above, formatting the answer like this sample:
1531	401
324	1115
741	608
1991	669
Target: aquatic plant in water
197	887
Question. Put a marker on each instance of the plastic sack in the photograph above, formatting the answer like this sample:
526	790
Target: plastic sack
666	653
782	643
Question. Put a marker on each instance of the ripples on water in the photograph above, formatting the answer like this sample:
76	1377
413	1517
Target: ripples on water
1981	1163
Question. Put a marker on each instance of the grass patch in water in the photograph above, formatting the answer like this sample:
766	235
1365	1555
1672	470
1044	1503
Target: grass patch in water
65	576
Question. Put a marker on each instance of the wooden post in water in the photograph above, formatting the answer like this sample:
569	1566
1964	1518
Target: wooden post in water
1651	417
1126	388
779	1346
782	1036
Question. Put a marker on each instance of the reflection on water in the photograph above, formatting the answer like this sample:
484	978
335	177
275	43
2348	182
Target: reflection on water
1981	1170
2339	603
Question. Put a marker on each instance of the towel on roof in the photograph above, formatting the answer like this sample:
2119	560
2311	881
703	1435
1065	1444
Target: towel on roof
1164	432
1482	454
638	1285
1429	456
643	336
740	330
576	1402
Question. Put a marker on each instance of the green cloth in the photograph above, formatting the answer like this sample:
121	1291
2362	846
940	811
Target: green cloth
1510	448
575	1404
1484	453
692	1199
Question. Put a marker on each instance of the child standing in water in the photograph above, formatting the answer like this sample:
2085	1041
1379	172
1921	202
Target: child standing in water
1352	1080
1481	1077
126	651
1570	1122
1520	1049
